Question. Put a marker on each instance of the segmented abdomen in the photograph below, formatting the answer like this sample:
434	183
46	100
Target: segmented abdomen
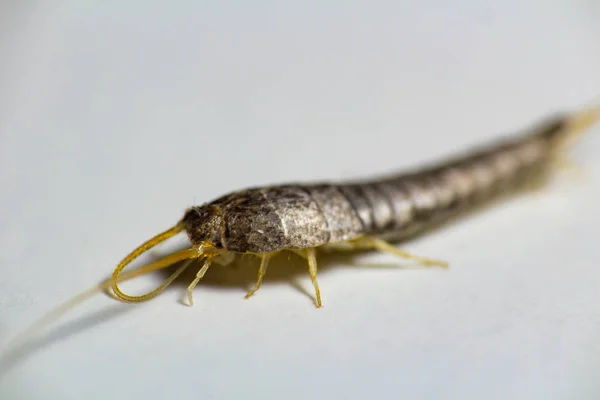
269	219
403	205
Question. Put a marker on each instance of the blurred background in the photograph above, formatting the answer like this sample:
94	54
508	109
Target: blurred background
115	117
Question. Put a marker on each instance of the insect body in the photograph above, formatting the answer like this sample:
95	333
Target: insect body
356	215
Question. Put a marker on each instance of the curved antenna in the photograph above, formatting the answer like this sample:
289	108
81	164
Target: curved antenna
61	309
112	283
162	263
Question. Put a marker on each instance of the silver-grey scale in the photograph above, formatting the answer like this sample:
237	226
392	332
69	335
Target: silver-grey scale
296	216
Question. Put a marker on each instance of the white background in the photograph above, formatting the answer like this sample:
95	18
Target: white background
114	117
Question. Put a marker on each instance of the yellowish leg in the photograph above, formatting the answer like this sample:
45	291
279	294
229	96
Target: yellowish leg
312	270
382	245
262	270
199	276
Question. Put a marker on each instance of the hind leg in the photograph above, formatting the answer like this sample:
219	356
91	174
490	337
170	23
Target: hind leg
373	243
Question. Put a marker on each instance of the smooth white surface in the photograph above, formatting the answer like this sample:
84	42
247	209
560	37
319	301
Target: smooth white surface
114	118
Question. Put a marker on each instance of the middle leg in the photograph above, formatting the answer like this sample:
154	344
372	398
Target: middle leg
262	270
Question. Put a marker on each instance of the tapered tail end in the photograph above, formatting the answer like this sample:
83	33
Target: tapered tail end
582	120
575	124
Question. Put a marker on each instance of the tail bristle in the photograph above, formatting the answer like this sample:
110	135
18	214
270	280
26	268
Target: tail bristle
576	124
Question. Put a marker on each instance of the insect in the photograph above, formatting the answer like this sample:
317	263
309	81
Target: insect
303	218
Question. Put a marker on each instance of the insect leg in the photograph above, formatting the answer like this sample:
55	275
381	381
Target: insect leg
199	276
262	270
312	270
369	242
